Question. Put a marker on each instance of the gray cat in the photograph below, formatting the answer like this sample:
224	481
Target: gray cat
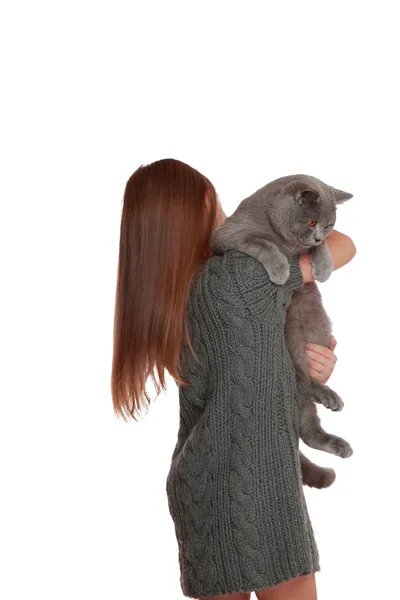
289	215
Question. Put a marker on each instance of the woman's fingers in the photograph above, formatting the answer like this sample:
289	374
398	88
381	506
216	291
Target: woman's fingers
320	373
326	352
321	360
317	376
316	366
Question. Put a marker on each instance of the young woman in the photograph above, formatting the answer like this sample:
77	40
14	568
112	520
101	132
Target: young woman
216	324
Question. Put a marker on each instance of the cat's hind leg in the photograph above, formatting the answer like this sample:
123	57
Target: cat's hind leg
315	476
312	433
323	394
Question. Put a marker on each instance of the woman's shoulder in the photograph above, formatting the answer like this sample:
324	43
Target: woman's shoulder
235	279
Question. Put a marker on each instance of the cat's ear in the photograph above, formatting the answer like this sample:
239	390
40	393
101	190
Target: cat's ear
341	196
302	193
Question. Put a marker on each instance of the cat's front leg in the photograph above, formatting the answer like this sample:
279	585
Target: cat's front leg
274	261
321	261
230	235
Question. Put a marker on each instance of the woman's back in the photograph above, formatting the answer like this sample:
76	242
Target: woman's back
234	487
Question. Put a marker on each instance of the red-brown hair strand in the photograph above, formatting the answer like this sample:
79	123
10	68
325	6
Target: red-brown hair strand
166	226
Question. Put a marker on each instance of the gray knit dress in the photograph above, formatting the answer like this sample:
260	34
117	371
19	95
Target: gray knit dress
234	485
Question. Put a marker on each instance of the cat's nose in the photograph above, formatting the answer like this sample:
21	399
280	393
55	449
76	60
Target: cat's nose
318	239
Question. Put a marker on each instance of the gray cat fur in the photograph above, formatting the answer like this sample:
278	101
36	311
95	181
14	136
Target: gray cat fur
269	225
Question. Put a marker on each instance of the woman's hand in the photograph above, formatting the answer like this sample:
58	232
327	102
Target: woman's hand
321	360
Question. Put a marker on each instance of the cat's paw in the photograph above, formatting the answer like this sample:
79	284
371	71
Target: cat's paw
321	261
330	399
279	272
322	270
340	447
327	478
319	478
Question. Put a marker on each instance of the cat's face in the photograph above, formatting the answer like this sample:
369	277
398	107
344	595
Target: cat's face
304	210
313	217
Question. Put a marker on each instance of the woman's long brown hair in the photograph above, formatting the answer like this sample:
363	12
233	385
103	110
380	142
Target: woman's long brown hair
166	226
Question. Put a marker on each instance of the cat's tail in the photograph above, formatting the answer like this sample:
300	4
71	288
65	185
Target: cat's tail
315	476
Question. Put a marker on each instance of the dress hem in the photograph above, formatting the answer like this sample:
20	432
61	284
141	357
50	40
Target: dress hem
211	594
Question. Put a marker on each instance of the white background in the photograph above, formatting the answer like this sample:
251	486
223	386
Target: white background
244	92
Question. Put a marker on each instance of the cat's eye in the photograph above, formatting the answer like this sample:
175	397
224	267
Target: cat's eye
311	223
327	227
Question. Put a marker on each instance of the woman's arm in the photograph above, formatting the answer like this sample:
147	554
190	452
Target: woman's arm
342	250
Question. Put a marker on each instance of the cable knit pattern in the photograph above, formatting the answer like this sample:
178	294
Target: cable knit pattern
240	344
234	487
